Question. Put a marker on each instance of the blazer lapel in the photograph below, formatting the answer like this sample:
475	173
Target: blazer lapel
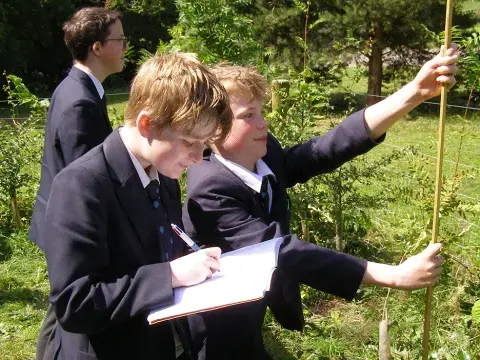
260	211
213	159
281	201
131	194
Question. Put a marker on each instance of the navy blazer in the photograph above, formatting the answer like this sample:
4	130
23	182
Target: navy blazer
104	258
221	210
77	122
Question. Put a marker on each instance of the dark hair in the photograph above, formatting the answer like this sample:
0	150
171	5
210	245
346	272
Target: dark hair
87	26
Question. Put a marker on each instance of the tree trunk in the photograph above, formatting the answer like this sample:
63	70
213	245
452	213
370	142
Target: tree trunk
375	69
15	212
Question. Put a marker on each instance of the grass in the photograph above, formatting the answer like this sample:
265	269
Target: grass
335	329
23	298
471	5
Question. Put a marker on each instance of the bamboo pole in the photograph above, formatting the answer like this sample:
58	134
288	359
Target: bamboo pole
438	179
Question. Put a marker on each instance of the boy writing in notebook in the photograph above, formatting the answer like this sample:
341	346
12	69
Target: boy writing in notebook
110	250
238	197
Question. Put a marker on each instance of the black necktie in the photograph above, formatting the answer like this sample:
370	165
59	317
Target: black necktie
166	239
166	243
264	196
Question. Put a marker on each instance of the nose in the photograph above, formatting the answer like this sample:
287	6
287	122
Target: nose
262	123
197	153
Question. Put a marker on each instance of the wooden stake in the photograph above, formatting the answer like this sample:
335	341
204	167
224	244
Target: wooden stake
277	87
438	179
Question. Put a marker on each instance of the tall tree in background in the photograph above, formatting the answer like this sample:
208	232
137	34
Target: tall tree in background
31	41
375	32
395	32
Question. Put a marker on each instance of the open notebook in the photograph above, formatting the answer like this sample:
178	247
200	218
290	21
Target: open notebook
244	276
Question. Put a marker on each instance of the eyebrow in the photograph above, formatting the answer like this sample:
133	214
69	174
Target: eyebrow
245	110
204	138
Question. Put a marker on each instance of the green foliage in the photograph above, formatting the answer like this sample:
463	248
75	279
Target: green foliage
409	221
141	7
21	147
345	29
476	312
215	30
30	39
32	45
23	297
329	209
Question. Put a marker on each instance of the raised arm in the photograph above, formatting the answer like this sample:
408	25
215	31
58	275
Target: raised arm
426	85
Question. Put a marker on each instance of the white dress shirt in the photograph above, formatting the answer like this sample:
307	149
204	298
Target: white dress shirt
96	82
251	179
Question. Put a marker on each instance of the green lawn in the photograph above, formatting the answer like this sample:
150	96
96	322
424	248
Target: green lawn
471	5
335	329
23	298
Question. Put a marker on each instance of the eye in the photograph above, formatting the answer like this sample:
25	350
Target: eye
248	116
187	143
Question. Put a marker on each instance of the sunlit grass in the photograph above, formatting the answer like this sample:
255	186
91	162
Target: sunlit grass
342	331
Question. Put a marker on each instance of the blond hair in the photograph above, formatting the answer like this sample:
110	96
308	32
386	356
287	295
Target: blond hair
242	80
176	90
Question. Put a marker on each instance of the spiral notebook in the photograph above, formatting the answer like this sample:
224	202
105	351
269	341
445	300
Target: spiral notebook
244	276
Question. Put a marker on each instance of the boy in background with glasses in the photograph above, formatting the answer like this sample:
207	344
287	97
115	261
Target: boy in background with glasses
77	119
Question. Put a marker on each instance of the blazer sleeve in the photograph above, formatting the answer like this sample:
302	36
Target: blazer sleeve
325	153
87	293
223	214
82	127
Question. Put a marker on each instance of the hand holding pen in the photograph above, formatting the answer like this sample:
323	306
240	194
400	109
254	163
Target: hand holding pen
185	237
194	268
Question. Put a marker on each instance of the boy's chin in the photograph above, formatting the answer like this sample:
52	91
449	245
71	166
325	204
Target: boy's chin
172	173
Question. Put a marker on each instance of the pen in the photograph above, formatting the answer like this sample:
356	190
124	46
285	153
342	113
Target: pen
185	237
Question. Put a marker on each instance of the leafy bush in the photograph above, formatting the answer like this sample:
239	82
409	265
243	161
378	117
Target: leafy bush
215	30
20	155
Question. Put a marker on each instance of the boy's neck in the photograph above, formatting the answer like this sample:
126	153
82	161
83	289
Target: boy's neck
92	66
134	142
252	166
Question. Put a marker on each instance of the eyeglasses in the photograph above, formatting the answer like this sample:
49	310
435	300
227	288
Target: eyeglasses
124	41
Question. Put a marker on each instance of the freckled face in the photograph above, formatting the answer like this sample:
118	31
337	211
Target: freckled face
247	141
171	151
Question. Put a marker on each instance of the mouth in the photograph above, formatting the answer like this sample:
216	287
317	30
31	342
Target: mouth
262	139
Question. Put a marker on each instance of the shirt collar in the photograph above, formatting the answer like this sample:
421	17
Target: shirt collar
251	179
96	82
144	177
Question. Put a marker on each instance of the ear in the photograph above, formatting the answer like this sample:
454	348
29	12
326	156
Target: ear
96	47
144	124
